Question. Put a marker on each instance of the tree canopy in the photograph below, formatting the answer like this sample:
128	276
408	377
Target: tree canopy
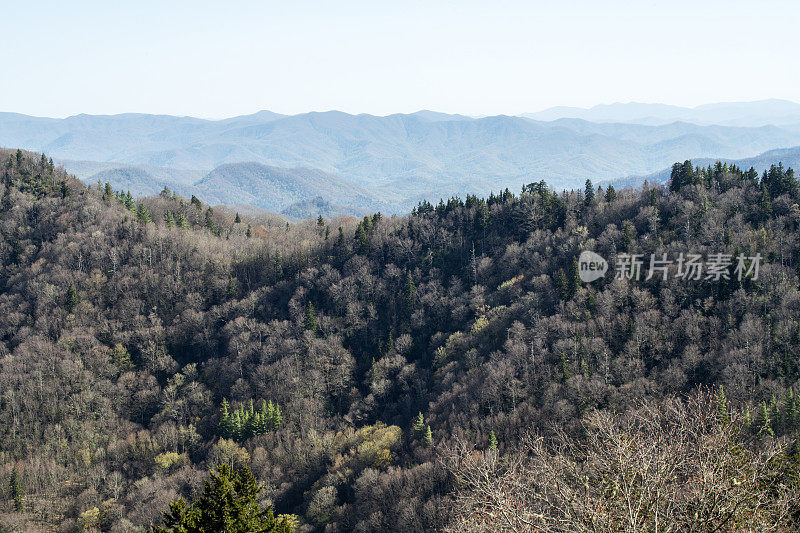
143	341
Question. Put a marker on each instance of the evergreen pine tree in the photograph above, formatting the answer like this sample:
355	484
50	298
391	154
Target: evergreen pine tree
473	267
142	214
121	358
340	238
723	415
588	194
229	503
419	424
310	321
238	219
428	436
225	423
765	423
277	419
180	221
270	416
248	421
765	203
362	239
408	295
627	235
249	232
791	411
16	490
71	300
264	418
259	424
574	281
237	425
128	201
562	284
233	288
492	441
168	220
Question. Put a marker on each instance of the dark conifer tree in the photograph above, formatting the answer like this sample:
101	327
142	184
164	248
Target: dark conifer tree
408	295
71	298
492	441
229	503
362	239
277	418
588	194
16	490
225	429
143	214
310	320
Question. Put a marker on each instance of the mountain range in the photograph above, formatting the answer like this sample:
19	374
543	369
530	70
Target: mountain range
352	164
759	113
295	192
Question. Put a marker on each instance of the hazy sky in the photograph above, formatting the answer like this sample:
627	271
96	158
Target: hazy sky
218	59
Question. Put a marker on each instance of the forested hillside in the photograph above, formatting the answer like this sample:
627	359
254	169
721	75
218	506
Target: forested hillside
374	374
790	157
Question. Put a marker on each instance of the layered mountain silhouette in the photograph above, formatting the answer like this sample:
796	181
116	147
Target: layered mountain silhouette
760	113
358	163
281	189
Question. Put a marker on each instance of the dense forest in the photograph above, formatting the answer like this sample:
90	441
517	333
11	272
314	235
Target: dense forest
445	370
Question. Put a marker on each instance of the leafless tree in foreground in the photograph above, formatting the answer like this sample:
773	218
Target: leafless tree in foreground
677	465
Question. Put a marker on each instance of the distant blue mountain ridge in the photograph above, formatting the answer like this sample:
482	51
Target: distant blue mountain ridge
358	163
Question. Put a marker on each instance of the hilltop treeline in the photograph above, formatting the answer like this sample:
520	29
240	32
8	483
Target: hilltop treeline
144	342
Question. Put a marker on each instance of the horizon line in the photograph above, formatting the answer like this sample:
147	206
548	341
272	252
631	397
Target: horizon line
423	110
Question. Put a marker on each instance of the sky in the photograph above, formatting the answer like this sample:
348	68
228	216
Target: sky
221	59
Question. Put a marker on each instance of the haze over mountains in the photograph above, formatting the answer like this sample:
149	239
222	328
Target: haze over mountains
285	190
357	163
760	113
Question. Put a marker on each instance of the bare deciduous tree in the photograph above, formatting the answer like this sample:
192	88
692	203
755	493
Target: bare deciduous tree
667	466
